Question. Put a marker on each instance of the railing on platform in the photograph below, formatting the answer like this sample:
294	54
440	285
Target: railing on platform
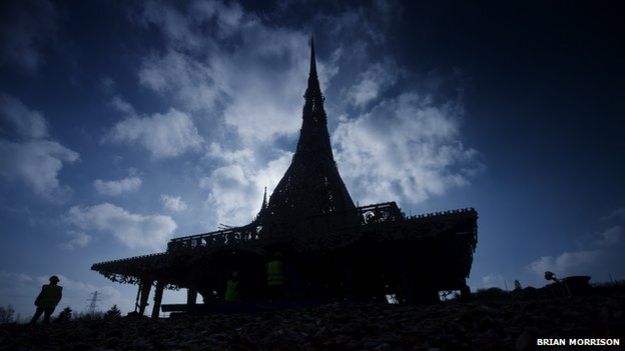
443	213
378	213
122	260
217	238
370	214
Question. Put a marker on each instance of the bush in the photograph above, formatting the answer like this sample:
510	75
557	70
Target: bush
65	315
113	313
6	314
609	288
87	316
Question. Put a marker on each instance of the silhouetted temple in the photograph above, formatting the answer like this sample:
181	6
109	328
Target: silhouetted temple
333	248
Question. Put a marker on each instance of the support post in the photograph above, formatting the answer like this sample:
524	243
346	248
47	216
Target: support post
158	297
146	285
137	299
191	296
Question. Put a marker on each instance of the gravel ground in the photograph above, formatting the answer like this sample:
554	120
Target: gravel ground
500	324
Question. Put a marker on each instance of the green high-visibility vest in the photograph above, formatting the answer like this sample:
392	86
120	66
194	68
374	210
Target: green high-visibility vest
49	296
232	290
274	273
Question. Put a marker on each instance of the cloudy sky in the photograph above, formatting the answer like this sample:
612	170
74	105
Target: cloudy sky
123	125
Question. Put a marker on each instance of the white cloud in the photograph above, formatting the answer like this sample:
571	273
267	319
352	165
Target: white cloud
164	135
258	106
79	239
255	87
265	102
121	105
183	30
370	84
27	123
117	187
173	203
404	148
230	192
492	281
215	150
610	236
30	27
191	80
236	189
228	16
618	214
37	163
132	230
567	263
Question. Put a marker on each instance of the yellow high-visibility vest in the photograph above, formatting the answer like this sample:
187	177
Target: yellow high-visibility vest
274	273
232	291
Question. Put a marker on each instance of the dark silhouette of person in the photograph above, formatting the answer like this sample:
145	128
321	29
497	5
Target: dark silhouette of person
47	300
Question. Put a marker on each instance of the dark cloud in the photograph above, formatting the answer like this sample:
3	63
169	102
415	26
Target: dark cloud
26	29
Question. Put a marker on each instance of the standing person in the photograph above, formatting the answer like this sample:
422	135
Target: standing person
232	288
47	300
275	278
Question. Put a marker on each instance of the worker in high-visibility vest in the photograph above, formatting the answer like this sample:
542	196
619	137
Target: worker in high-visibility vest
275	278
47	300
232	288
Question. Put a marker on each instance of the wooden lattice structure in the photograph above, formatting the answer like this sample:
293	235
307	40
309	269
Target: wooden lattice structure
332	248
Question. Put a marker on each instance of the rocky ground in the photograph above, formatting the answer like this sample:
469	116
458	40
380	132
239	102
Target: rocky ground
502	323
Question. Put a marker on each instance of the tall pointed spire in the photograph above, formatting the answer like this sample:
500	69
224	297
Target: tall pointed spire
313	60
313	95
263	209
264	205
314	133
312	184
